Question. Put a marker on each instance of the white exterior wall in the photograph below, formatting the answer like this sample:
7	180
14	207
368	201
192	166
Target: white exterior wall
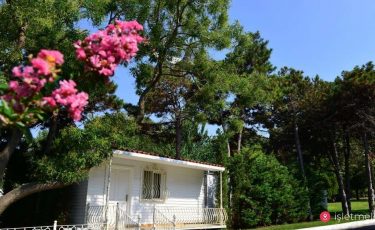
185	187
97	183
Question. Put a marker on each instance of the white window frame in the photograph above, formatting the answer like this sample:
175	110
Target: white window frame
163	185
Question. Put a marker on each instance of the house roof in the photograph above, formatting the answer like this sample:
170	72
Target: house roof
156	158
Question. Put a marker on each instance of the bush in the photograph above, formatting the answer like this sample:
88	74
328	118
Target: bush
264	192
322	186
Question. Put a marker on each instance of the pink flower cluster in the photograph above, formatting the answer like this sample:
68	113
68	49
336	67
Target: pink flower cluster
67	95
26	89
31	79
104	50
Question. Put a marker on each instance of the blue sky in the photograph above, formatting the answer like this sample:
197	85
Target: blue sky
320	37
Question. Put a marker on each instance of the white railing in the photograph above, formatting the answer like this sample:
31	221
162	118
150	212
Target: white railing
159	217
166	218
115	217
97	226
181	215
160	221
124	221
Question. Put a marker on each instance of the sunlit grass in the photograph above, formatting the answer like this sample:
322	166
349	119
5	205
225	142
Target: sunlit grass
301	225
360	207
357	206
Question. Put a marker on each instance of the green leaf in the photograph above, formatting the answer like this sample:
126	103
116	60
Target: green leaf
6	109
3	86
20	124
28	135
40	116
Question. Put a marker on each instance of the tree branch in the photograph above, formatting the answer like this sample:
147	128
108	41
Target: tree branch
51	134
26	190
7	152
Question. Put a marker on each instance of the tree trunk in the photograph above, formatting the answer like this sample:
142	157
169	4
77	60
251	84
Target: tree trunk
227	141
340	180
370	188
22	36
299	150
228	148
7	152
178	137
158	71
239	140
300	160
347	168
51	134
26	190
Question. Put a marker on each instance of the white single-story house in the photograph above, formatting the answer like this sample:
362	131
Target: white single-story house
142	190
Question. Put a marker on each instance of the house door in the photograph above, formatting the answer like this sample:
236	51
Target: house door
119	194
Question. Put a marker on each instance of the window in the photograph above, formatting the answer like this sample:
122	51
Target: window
153	187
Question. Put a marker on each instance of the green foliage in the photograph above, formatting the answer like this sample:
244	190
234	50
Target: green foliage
26	26
77	150
198	145
263	191
250	52
178	78
322	185
176	30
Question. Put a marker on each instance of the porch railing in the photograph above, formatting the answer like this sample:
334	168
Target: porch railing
160	221
157	217
182	215
97	226
115	217
166	218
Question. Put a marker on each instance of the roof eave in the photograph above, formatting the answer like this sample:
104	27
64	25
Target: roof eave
166	161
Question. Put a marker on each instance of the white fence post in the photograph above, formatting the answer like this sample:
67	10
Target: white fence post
153	218
87	213
139	223
117	215
55	225
174	221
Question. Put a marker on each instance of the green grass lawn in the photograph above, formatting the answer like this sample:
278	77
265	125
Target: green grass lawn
300	225
359	207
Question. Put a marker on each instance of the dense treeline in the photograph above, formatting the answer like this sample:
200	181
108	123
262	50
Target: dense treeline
288	140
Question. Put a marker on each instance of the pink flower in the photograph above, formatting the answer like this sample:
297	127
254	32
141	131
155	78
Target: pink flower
41	66
77	104
130	25
52	56
111	59
28	71
105	49
25	91
20	90
17	71
66	89
95	61
50	101
13	85
66	95
106	72
80	53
